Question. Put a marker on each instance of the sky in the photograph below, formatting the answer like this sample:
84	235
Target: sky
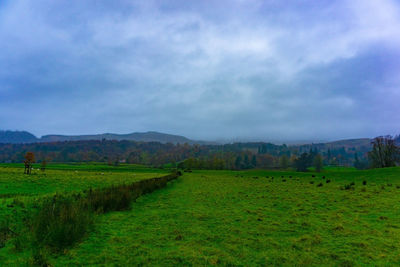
209	70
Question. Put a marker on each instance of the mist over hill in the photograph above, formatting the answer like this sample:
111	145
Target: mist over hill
24	137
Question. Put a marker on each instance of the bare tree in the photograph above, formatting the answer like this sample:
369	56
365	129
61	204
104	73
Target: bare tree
29	160
384	152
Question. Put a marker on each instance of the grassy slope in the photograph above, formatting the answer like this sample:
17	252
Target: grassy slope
213	217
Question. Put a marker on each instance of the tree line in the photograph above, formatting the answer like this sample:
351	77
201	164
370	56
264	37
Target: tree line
383	152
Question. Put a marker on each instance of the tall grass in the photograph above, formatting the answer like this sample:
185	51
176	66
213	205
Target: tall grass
61	221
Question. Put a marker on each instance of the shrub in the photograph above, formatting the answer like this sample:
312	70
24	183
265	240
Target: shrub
59	223
109	199
364	182
312	182
319	185
328	181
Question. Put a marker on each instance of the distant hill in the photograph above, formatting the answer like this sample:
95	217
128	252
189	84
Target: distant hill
138	137
17	137
21	137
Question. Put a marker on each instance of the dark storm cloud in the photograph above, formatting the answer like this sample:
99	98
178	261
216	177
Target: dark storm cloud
205	69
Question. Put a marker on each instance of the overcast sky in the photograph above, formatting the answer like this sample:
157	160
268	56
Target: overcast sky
260	70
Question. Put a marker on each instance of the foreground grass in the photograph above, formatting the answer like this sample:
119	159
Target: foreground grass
22	195
246	219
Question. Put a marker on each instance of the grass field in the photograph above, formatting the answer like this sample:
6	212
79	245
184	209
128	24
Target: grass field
61	178
246	219
94	166
20	193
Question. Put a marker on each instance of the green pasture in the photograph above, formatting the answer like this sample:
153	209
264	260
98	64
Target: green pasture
229	218
339	217
14	183
92	166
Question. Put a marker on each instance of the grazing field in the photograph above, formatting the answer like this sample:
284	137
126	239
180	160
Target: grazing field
339	217
61	178
245	219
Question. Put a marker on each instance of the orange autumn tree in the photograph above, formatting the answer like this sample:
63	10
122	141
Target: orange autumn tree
29	160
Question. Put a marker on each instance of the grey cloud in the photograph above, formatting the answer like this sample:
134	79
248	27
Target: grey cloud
205	69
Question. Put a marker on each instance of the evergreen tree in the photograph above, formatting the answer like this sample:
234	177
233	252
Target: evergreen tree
284	162
303	162
253	161
246	161
238	162
318	163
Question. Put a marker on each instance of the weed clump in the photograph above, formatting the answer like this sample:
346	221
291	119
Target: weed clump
320	184
328	181
349	186
4	233
339	227
364	182
60	223
38	258
311	182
